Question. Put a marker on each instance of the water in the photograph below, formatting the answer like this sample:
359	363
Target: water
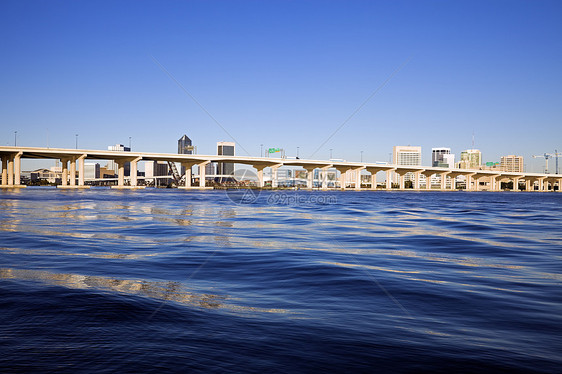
167	280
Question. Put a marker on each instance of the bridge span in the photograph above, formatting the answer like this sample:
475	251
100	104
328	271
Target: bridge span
72	161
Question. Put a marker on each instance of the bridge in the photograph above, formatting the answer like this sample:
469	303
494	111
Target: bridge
73	163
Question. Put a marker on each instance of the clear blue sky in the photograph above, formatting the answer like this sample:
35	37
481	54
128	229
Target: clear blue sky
285	74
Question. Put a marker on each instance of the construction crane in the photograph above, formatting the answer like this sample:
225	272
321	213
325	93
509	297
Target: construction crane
546	156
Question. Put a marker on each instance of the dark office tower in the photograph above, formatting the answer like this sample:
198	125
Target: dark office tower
225	149
184	146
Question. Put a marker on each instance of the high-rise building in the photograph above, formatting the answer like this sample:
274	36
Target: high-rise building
184	146
91	170
511	163
449	160
437	155
406	155
112	165
225	149
470	159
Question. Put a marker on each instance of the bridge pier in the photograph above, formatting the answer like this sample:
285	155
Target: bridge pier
388	180
11	171
444	180
188	176
4	170
358	178
309	178
274	180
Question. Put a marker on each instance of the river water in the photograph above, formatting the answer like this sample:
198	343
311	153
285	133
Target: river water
197	281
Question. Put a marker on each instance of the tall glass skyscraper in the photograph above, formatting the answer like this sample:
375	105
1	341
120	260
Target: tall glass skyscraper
184	146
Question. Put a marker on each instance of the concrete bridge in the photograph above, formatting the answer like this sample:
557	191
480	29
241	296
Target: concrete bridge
73	162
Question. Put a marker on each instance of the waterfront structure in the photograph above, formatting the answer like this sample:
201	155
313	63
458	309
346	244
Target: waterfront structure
512	163
470	159
406	156
72	164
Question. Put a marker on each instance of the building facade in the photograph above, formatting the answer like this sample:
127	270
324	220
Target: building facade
184	146
225	149
512	163
470	159
406	155
438	155
91	171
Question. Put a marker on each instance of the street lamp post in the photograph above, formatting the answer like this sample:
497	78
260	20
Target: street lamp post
261	150
130	143
298	152
15	138
76	141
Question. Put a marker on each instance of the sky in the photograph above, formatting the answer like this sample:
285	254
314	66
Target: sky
353	77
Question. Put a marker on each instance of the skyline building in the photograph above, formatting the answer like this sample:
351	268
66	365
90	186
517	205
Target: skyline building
470	159
512	163
225	149
184	145
185	148
406	155
441	157
437	155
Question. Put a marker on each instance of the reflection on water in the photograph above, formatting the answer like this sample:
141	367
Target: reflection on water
478	275
165	291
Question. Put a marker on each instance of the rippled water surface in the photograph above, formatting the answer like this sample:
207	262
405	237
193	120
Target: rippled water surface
167	280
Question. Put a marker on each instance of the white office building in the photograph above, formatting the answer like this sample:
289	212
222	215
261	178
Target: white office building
406	155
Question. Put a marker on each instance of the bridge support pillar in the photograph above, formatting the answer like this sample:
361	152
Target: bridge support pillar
260	177
120	173
342	180
134	172
373	181
10	172
309	178
17	169
444	181
427	180
64	176
417	180
202	174
541	184
81	170
325	178
72	172
4	170
388	179
402	179
357	185
515	184
188	174
274	180
469	183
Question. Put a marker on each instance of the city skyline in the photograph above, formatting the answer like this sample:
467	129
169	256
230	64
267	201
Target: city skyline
288	75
